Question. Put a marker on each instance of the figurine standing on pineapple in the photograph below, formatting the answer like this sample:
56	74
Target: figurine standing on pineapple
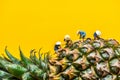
68	41
82	35
57	47
97	35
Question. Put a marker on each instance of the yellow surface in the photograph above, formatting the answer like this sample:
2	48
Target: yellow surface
40	23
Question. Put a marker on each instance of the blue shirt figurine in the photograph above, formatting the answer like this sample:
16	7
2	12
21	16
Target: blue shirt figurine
82	34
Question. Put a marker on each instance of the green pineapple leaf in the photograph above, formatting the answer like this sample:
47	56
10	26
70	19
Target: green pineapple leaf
16	70
33	57
11	57
4	74
27	76
24	59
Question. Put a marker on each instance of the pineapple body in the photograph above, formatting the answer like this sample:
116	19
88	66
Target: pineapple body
82	60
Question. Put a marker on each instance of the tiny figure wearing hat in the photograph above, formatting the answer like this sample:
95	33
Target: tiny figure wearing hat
97	34
68	41
57	46
82	34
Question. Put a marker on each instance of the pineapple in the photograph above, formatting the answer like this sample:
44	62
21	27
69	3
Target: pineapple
90	59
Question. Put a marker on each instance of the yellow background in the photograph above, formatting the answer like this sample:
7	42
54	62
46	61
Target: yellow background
40	23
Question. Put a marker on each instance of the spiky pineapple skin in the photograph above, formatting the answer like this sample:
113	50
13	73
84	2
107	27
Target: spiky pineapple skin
82	60
89	60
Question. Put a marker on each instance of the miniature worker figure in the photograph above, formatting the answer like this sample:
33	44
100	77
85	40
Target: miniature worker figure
68	41
97	34
82	35
57	47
